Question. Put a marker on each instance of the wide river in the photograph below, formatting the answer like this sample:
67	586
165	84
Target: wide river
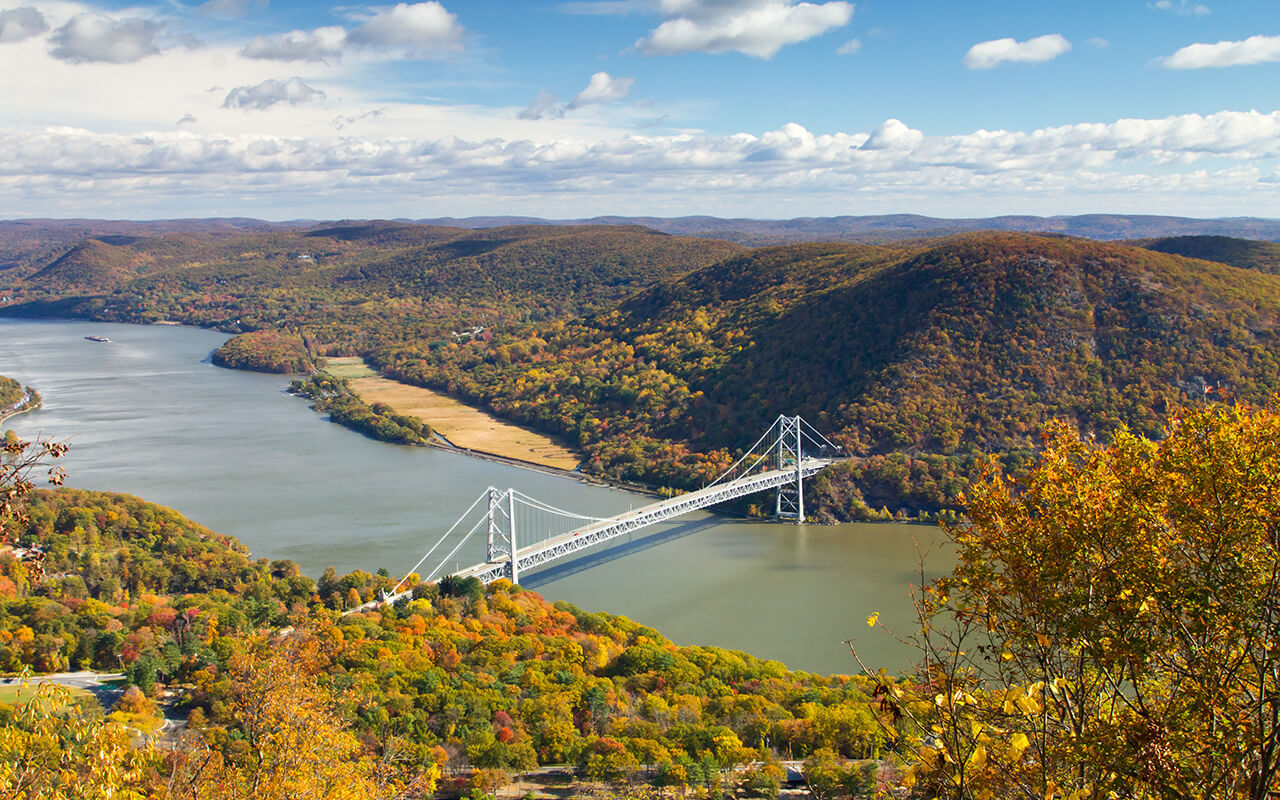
149	414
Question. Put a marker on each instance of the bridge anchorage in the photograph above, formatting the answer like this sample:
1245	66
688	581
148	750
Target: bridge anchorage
524	533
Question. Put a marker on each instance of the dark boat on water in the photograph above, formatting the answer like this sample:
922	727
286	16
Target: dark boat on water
97	338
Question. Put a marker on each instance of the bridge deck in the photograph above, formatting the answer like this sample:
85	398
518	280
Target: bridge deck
566	544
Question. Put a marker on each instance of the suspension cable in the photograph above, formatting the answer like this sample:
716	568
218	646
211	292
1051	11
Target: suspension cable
440	541
455	549
750	452
535	503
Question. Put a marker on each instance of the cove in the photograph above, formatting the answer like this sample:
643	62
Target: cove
148	414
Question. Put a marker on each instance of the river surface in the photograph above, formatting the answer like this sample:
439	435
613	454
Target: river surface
148	414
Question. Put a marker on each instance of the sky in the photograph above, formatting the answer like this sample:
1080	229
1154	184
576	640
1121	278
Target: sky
755	108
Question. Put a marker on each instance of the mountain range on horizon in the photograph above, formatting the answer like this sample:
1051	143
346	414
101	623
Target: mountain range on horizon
751	232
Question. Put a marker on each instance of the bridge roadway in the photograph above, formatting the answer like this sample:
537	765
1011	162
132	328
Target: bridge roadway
574	541
566	544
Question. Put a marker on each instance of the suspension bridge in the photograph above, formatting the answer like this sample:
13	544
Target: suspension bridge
524	533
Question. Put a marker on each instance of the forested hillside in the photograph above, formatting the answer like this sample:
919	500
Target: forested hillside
359	280
1244	253
919	359
660	356
498	679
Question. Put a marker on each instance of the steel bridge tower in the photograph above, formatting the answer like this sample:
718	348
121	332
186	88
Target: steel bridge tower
502	530
790	455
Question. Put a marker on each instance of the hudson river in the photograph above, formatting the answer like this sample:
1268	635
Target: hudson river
149	415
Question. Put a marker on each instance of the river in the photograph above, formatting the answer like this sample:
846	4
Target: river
148	414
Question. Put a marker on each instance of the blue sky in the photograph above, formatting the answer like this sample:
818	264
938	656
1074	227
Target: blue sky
762	108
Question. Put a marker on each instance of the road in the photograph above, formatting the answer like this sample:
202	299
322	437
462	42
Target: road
95	683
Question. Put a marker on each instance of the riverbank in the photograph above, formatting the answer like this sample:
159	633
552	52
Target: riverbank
30	402
465	427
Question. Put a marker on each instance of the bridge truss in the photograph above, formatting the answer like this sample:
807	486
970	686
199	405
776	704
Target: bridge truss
787	453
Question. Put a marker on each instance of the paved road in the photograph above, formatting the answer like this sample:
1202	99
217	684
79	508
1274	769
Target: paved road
95	683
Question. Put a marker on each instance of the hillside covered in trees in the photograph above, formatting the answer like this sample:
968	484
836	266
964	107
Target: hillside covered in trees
1244	253
355	281
919	359
497	678
660	356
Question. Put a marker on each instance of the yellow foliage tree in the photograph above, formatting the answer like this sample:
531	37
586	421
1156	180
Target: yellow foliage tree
291	739
52	750
1112	628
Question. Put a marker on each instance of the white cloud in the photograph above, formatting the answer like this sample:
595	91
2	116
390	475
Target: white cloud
21	23
602	88
1131	159
1098	41
754	27
986	55
422	30
1182	7
187	119
271	92
893	134
850	47
96	37
1254	50
321	44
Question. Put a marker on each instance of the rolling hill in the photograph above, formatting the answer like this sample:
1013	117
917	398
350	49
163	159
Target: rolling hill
1243	253
917	358
365	276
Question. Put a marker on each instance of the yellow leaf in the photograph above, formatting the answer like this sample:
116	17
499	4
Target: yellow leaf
1017	744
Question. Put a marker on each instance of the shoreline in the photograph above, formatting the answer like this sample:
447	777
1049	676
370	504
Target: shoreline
26	407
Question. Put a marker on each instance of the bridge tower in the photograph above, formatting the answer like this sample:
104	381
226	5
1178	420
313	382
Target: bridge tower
502	530
790	455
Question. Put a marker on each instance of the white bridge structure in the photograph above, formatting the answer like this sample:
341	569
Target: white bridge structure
525	533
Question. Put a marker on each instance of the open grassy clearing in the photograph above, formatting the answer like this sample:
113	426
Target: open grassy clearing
461	424
349	367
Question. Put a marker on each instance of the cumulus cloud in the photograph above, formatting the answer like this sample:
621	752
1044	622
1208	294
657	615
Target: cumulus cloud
1121	155
98	37
893	134
422	30
321	44
229	8
21	23
1183	7
757	28
986	55
602	88
1254	50
271	92
546	104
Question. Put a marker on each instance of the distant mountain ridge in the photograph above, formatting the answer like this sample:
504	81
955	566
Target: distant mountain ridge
868	228
897	227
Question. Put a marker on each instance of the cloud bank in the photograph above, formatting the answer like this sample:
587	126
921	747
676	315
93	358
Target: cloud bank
1138	159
